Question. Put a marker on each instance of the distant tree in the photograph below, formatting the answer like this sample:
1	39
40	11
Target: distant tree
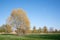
45	29
34	30
18	18
5	28
2	28
59	31
56	30
51	30
39	30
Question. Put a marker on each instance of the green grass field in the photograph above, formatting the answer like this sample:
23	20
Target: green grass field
30	37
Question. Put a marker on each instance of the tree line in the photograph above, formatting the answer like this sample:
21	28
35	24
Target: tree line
8	29
45	30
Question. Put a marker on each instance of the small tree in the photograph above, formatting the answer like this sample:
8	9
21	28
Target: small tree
34	30
56	30
2	28
5	28
39	30
51	30
59	31
45	29
8	28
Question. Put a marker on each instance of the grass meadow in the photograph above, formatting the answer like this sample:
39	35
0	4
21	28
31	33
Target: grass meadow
30	37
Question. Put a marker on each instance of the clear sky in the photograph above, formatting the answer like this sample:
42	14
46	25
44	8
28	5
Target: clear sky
40	12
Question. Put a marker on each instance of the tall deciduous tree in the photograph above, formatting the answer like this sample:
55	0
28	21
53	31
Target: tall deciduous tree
19	20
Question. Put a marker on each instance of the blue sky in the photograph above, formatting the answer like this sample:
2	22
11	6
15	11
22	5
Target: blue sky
40	12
